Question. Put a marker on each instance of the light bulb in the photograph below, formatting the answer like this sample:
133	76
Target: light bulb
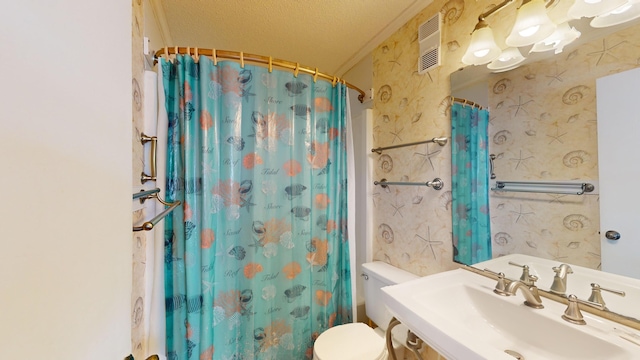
529	31
482	48
481	53
621	9
591	8
510	58
626	12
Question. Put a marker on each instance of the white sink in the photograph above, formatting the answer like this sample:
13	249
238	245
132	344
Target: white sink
458	314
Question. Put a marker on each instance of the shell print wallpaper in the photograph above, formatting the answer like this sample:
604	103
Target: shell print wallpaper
542	127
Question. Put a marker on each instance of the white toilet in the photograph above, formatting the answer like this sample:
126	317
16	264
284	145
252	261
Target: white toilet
358	341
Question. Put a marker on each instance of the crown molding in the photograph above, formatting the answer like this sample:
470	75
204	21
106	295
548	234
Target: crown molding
161	19
404	17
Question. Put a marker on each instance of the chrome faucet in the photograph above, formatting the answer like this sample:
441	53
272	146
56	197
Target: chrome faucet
530	292
559	285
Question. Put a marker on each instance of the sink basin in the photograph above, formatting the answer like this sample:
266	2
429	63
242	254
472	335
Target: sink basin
457	313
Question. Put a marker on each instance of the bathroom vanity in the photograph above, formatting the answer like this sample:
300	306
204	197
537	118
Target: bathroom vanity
479	312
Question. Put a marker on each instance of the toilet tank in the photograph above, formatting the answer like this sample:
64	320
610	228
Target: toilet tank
379	274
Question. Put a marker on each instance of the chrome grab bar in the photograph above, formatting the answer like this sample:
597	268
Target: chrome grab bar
442	141
436	184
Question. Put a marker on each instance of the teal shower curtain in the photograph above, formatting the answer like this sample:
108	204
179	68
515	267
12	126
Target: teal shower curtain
470	184
257	264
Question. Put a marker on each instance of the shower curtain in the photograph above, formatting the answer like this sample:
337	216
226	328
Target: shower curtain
470	184
257	264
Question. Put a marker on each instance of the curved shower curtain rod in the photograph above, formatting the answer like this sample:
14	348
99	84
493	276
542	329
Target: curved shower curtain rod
241	57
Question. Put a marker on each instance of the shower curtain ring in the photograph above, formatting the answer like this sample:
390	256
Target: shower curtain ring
335	80
315	75
270	64
242	59
296	70
196	55
215	56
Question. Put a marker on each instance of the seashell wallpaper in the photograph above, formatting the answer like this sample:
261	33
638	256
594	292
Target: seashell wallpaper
543	127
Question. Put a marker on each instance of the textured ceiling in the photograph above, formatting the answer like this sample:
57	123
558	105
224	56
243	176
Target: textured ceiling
331	35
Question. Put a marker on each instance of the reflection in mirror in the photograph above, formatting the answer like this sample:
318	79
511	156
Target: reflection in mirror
543	128
470	169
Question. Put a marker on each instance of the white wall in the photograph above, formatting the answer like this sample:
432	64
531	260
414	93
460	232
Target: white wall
65	145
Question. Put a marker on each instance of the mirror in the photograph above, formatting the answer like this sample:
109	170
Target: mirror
543	128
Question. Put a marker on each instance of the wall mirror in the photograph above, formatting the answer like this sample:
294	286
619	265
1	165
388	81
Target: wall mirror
543	128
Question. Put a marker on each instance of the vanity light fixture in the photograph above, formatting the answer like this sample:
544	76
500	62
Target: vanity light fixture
532	24
622	14
563	36
509	59
534	27
483	48
591	8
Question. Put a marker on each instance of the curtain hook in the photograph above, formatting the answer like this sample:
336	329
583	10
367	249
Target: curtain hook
175	51
315	75
189	50
166	53
335	79
296	70
270	64
196	56
242	59
215	56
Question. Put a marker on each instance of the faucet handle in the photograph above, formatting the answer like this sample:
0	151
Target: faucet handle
573	315
596	294
500	285
525	277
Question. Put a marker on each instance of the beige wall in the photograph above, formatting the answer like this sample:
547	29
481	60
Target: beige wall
412	225
65	139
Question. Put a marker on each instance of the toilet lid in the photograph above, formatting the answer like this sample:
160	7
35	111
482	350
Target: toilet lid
355	341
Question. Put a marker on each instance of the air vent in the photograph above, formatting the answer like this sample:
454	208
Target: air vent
428	60
429	27
429	38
